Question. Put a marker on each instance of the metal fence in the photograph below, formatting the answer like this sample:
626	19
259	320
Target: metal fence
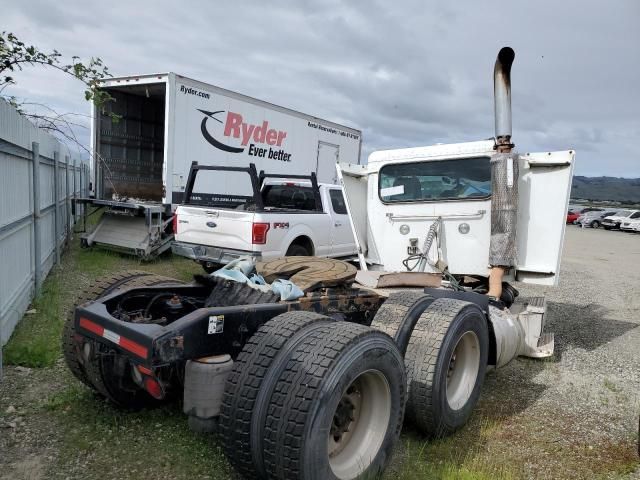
39	177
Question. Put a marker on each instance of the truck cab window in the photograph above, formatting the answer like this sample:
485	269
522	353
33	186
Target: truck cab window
337	202
458	179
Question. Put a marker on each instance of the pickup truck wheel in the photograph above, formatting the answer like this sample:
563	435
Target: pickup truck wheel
249	385
210	267
97	371
446	362
336	410
297	251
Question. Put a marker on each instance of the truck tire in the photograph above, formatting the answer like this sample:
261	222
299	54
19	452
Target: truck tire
95	372
390	315
446	361
336	410
297	251
252	379
102	286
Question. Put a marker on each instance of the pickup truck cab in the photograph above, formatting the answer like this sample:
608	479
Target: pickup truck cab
266	216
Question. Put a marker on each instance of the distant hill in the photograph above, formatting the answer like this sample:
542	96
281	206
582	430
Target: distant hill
623	190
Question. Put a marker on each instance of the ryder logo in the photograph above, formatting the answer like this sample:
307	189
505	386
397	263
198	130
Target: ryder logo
236	127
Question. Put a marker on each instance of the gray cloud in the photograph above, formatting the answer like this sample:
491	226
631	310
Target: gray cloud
406	73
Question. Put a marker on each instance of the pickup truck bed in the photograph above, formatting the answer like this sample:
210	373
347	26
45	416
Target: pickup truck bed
285	216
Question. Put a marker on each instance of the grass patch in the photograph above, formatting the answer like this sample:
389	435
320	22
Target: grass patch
36	340
448	459
149	444
609	385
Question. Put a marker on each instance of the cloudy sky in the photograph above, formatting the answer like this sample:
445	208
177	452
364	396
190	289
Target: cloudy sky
405	73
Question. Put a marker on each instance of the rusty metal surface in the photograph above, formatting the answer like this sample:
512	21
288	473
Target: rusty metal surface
340	301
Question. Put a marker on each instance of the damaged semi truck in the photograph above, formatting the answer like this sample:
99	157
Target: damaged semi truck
319	387
141	162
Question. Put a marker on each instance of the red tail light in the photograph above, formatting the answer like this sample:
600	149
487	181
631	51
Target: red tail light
174	223
259	233
154	388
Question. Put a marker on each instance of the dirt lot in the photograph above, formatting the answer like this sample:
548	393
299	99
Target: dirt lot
572	416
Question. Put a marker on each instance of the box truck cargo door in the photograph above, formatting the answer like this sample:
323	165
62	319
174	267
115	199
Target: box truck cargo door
326	162
544	187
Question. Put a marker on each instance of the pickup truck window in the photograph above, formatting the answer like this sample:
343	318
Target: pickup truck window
228	190
457	179
337	202
289	196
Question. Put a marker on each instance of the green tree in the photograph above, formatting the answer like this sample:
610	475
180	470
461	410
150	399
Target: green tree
15	55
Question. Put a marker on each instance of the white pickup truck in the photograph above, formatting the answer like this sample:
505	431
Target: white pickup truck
266	216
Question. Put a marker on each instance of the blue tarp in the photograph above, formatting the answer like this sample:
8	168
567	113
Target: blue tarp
243	270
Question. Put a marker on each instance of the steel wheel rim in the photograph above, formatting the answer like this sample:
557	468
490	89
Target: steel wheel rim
462	373
359	424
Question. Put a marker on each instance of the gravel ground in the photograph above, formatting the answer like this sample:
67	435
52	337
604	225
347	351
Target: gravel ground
590	393
572	416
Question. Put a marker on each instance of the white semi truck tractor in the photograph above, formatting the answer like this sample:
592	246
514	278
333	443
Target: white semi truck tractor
318	387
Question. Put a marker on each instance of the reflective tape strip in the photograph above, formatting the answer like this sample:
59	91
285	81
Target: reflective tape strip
113	337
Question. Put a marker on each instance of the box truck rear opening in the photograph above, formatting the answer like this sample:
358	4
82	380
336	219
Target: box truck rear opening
131	151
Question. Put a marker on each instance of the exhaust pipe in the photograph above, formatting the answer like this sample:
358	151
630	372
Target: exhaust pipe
502	98
504	178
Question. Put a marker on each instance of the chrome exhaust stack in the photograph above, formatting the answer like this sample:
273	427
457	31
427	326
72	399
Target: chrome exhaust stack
504	178
502	98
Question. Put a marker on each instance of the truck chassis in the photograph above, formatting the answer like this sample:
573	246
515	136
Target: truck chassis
342	360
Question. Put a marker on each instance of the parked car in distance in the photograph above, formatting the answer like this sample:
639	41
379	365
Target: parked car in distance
594	219
572	217
614	221
632	224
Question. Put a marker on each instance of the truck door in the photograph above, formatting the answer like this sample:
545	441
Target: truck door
342	241
544	188
326	162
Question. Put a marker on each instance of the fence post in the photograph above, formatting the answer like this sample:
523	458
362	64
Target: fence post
75	194
56	211
37	252
67	200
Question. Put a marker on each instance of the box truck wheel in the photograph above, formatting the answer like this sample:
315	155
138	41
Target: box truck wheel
95	370
336	409
249	386
446	361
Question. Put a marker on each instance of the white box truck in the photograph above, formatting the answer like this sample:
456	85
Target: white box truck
167	121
